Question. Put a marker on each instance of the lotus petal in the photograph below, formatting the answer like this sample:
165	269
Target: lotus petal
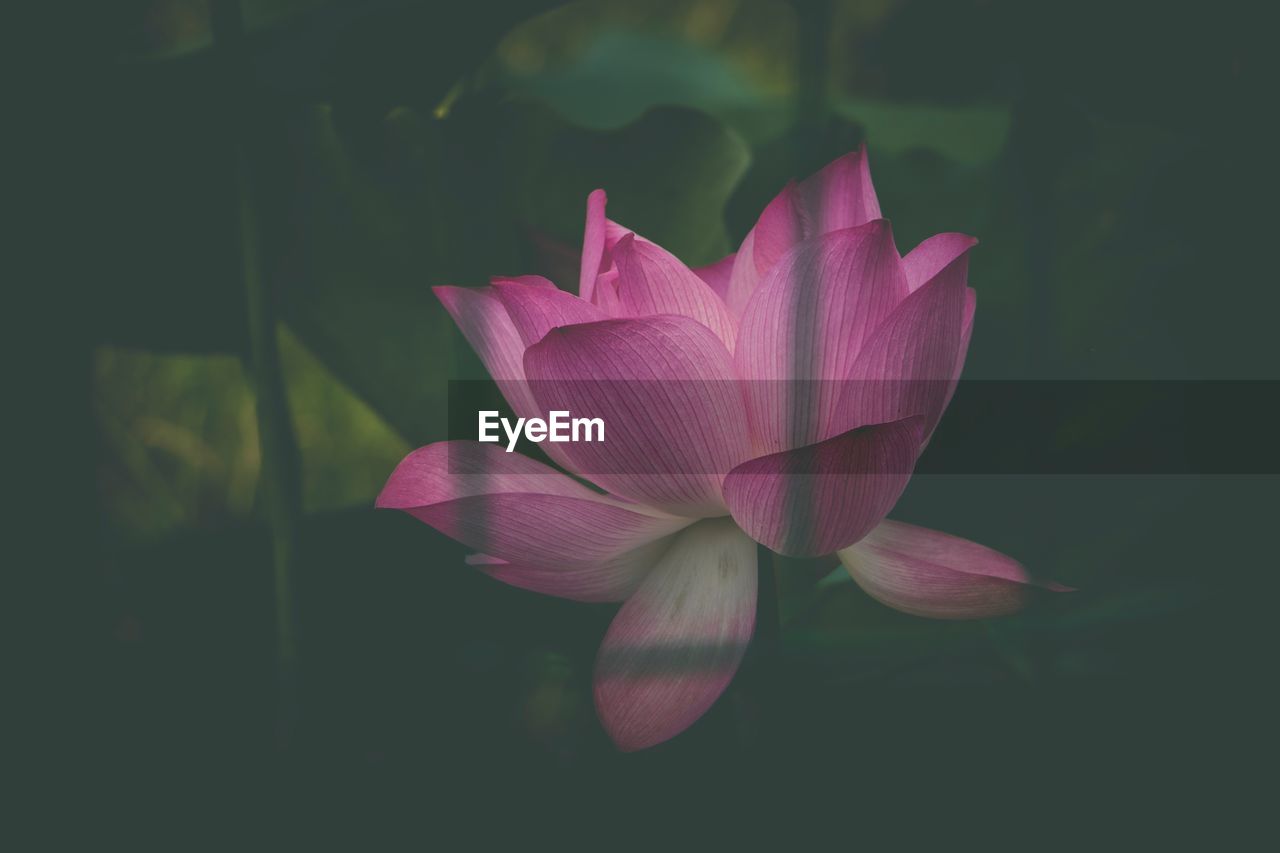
805	325
927	573
927	260
908	365
521	511
675	645
674	418
817	499
840	196
651	281
484	322
534	311
717	275
593	248
775	233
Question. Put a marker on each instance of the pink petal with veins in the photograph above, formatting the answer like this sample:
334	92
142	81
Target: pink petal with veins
675	645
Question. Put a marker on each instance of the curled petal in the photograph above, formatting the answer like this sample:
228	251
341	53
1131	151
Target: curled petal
675	422
805	325
817	499
593	245
598	271
927	573
676	644
525	513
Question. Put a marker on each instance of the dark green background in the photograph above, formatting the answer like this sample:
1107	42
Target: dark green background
1115	159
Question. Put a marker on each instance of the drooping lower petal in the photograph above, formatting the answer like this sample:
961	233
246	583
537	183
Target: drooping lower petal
806	324
927	573
675	645
526	513
817	499
615	579
674	419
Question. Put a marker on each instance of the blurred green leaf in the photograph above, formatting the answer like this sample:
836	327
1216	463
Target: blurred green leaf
668	176
638	71
347	450
427	201
965	134
367	245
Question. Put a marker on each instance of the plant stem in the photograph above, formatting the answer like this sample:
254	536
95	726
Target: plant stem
767	644
768	624
813	70
279	451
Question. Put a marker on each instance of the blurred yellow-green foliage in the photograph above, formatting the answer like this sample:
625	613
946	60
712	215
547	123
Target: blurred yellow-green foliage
181	439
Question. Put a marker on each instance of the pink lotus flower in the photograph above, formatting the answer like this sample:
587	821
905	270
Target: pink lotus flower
780	396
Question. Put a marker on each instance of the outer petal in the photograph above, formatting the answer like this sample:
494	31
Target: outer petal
717	275
840	196
675	645
534	311
526	280
651	281
908	366
528	514
744	277
820	498
805	325
613	580
674	418
927	260
483	321
927	573
775	233
966	334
